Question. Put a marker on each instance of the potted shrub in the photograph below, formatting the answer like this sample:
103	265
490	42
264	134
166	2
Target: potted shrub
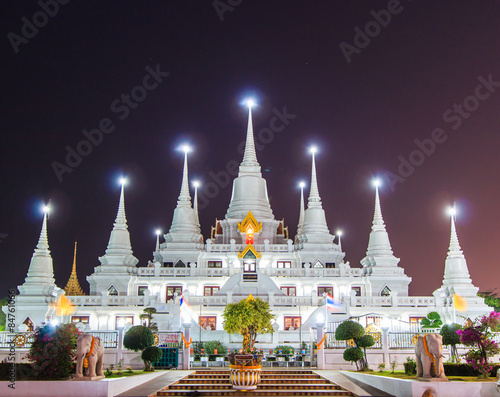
248	318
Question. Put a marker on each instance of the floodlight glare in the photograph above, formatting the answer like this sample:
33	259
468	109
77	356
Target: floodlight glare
123	181
313	149
250	103
376	182
452	211
339	233
302	185
196	184
158	232
186	148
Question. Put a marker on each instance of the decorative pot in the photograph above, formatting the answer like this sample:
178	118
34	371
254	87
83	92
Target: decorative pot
245	372
245	377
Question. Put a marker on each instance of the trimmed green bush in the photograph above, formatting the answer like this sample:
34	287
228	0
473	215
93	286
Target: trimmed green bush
366	341
138	338
151	354
214	344
349	330
411	366
353	354
285	349
463	369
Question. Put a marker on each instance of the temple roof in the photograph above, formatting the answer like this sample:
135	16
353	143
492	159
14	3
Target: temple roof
73	286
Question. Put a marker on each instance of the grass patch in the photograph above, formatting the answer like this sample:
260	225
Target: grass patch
114	374
402	375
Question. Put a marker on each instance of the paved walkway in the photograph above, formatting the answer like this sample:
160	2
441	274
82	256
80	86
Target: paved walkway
150	388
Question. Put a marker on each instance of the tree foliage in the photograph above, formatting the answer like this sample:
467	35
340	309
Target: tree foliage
349	330
53	351
354	355
248	318
138	338
151	354
433	320
450	337
491	298
479	337
147	318
353	330
3	302
211	345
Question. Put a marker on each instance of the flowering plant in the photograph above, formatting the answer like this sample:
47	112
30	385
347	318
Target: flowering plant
53	351
478	336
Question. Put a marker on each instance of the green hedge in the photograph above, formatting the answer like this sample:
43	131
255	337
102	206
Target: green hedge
464	369
24	371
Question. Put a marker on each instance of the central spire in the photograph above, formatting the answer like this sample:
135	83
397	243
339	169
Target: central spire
249	188
184	199
119	250
314	199
73	287
250	157
379	244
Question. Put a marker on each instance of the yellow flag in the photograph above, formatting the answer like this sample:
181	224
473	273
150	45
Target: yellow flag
459	303
64	306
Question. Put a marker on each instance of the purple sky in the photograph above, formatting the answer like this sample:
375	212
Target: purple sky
431	72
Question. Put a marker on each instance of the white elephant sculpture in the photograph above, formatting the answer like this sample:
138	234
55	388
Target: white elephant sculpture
89	348
429	355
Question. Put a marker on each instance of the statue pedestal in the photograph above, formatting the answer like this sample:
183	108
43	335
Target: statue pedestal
89	378
422	379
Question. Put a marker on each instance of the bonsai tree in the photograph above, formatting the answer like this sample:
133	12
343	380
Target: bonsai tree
151	354
433	320
248	318
138	338
451	338
353	330
147	317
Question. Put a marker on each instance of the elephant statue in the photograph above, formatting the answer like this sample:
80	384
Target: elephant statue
90	349
429	355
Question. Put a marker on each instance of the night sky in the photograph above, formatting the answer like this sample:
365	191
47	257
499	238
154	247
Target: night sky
430	77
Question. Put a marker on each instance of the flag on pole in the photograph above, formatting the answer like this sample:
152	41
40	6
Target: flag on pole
331	304
185	310
459	303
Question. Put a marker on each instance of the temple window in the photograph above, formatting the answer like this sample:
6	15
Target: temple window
357	290
292	323
172	291
290	291
122	321
208	322
210	290
318	264
326	290
80	319
141	289
29	324
214	263
112	291
180	264
386	291
283	264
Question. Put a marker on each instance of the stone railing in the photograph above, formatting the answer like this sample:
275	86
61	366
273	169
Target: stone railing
241	247
314	272
108	300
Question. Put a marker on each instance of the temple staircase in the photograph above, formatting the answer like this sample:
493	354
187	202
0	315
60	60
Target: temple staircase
273	383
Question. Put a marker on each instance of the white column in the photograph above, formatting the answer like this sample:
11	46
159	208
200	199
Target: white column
185	352
321	352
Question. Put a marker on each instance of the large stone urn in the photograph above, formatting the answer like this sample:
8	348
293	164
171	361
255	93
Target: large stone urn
245	372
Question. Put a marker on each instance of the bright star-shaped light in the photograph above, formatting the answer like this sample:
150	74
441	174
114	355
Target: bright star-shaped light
45	209
123	181
452	211
250	102
196	184
302	185
186	148
158	232
339	233
313	150
376	182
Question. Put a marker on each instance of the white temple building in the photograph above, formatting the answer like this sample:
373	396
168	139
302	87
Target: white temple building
248	252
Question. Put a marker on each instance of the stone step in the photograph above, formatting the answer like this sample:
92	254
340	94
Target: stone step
288	386
263	380
254	393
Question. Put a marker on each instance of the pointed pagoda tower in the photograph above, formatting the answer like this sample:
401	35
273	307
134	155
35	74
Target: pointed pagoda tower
457	279
380	264
300	225
40	277
73	286
249	194
39	290
184	233
314	240
118	263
